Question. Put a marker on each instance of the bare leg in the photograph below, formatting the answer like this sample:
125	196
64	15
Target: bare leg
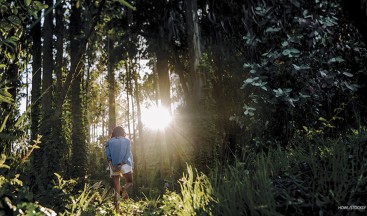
128	183
128	180
116	187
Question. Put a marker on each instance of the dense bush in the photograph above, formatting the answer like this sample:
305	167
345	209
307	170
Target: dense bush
305	63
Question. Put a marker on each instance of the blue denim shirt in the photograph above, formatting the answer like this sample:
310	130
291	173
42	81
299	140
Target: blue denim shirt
118	150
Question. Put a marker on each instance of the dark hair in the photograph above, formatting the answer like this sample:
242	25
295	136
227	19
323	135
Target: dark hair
118	131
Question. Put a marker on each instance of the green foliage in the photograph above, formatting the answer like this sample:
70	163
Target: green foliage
302	67
5	97
15	18
204	124
16	15
335	169
244	191
85	202
126	4
316	175
195	198
16	197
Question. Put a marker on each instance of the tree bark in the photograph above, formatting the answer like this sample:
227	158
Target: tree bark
36	81
111	90
193	41
139	144
78	139
48	168
36	158
82	44
163	74
60	143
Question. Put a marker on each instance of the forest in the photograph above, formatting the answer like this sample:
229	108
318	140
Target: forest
233	107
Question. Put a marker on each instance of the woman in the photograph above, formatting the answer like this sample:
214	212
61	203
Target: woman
120	160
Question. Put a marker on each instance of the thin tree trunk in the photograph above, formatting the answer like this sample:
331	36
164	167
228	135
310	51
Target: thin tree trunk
162	70
180	70
111	89
139	144
127	68
81	44
193	41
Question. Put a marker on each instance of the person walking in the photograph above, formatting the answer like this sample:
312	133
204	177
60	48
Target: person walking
120	161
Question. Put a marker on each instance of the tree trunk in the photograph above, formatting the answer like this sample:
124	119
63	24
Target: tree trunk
128	91
111	89
60	143
78	53
36	86
48	168
162	70
140	128
78	139
193	41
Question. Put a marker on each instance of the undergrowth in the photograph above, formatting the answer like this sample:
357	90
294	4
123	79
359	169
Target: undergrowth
315	176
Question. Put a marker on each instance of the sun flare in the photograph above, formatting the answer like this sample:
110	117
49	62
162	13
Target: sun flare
156	118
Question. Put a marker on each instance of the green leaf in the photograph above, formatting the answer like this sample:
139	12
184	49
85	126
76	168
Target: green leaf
14	20
291	100
27	2
39	6
3	123
302	67
2	162
11	41
247	65
305	13
258	8
284	44
303	95
336	59
271	29
127	4
286	52
296	3
350	86
322	119
249	110
348	74
294	50
296	67
5	96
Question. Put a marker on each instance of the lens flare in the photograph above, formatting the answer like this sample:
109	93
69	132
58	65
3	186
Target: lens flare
156	118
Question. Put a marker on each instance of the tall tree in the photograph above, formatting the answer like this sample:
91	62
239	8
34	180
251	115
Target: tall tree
162	67
78	137
59	139
193	42
47	100
36	92
111	86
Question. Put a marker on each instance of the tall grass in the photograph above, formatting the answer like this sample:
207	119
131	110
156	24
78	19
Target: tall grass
244	188
195	197
337	171
315	176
